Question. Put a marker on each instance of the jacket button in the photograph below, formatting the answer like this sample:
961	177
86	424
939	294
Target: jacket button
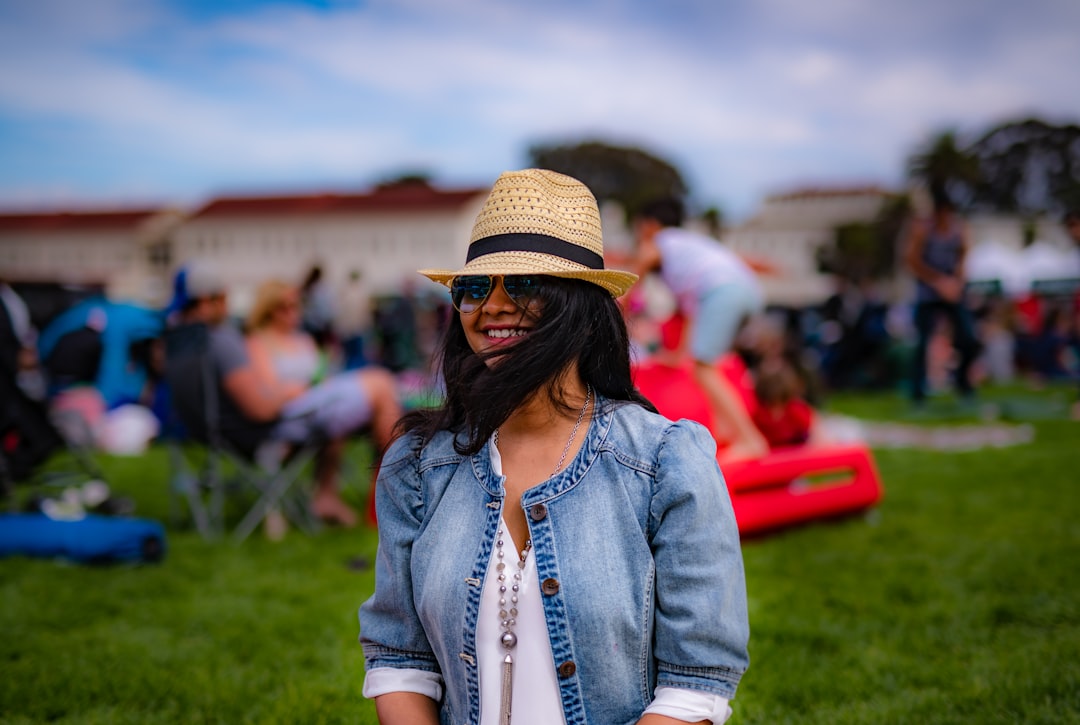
549	586
567	669
538	512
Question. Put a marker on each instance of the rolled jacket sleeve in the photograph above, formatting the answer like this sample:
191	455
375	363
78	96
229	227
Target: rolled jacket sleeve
689	705
384	680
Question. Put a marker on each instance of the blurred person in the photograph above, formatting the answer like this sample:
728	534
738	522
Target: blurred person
718	292
782	415
1052	342
280	348
549	546
1028	327
1072	226
268	383
432	315
840	314
18	343
936	248
646	315
779	334
317	311
395	325
997	331
353	320
856	335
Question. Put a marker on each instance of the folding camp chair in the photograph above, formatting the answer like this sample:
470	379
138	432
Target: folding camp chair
270	470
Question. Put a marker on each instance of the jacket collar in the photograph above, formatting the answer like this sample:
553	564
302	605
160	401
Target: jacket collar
564	480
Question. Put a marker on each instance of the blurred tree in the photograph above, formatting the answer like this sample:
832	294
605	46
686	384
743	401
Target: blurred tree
942	163
1027	167
851	251
714	220
628	175
867	250
406	178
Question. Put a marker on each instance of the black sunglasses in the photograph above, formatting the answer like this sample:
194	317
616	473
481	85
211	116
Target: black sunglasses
468	292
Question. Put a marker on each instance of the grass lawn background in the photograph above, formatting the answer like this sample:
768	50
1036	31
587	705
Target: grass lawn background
954	601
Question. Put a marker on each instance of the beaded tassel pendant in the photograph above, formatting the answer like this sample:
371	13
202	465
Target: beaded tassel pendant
506	701
508	615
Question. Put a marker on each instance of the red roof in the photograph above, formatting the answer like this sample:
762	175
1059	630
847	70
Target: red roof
390	197
74	221
826	193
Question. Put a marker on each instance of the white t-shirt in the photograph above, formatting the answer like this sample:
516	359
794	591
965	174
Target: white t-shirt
693	265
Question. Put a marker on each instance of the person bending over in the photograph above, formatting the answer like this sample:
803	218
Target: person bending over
717	291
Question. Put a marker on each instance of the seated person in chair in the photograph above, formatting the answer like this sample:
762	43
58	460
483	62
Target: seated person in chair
280	348
258	404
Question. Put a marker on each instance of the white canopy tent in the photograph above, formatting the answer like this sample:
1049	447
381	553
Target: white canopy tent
1017	270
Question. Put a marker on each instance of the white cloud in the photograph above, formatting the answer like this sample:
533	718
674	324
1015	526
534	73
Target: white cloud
815	68
744	96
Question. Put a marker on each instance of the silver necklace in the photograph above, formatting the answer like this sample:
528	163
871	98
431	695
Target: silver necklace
573	433
508	613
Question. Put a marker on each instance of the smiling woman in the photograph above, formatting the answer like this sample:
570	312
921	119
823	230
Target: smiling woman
496	310
545	528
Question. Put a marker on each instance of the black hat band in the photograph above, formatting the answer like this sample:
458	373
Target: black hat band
540	243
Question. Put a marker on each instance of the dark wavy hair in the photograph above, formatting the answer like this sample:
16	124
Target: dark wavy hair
579	322
668	210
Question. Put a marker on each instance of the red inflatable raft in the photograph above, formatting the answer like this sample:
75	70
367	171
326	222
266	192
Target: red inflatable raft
787	487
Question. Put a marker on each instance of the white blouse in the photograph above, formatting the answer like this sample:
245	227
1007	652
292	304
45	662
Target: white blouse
539	701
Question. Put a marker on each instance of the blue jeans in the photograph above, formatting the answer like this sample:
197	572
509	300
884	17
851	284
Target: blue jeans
963	339
355	355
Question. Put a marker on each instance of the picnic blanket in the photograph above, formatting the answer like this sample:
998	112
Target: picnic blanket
888	434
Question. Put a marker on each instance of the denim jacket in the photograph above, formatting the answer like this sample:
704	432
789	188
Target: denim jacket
636	550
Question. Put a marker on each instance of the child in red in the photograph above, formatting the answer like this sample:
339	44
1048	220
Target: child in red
782	416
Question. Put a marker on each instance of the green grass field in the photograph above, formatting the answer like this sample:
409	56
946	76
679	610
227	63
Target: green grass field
955	601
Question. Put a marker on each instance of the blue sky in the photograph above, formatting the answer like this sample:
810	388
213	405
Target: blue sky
119	102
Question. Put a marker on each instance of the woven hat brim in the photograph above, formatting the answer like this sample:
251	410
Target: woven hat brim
616	282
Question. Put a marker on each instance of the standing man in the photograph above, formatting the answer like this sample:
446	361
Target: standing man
718	292
936	250
1072	226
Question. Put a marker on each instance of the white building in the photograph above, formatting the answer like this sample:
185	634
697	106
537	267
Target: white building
788	231
114	251
386	234
389	233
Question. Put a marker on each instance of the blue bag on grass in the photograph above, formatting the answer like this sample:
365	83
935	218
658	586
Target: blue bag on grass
89	540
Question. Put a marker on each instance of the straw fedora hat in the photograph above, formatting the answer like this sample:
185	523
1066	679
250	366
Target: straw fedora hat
537	221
